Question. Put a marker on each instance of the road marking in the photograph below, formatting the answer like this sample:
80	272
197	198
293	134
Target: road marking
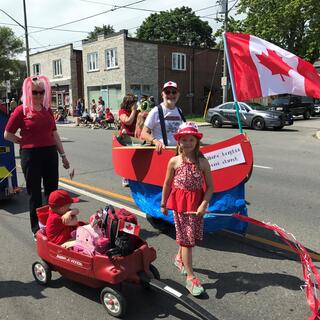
262	167
314	256
102	199
96	189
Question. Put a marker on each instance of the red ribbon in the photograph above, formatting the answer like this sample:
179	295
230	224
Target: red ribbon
308	268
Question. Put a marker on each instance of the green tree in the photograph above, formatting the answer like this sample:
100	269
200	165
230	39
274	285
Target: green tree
291	24
180	25
10	47
99	30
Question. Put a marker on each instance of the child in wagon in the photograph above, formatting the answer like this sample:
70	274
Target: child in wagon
62	220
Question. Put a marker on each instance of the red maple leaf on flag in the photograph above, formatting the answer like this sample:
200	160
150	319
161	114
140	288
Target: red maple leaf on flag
274	63
128	226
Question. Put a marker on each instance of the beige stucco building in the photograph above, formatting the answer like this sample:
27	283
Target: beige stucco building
115	65
63	67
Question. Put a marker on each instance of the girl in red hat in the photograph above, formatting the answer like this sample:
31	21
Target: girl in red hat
184	193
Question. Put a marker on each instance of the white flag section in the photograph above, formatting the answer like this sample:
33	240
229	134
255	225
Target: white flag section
129	227
271	83
225	157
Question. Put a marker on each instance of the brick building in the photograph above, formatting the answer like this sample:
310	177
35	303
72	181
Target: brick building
116	64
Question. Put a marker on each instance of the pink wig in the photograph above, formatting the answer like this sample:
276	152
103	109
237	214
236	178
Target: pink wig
42	81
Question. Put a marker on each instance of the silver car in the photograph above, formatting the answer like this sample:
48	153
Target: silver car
253	115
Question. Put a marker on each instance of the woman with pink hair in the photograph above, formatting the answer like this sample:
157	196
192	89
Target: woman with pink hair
39	142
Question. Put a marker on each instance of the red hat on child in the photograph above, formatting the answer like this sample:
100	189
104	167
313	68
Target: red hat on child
188	128
60	198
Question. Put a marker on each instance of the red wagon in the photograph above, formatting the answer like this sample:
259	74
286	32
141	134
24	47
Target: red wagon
107	272
97	271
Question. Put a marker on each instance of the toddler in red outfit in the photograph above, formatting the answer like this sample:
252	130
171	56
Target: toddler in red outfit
62	220
183	193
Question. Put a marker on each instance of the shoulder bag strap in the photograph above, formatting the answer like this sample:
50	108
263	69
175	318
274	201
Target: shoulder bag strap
163	125
181	115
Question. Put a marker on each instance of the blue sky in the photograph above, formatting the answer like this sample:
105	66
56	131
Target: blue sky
49	13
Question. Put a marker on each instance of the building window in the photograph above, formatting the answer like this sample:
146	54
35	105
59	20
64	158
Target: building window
93	61
141	89
36	69
111	58
57	68
178	61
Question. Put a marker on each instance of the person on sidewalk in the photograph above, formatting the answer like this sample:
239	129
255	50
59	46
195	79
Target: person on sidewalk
13	105
183	193
39	142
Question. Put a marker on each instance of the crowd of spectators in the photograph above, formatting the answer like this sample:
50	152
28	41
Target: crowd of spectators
100	116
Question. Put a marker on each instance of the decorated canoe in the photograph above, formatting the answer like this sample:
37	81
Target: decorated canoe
231	163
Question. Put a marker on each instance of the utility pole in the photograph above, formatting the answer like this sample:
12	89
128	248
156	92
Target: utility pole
25	33
224	80
26	36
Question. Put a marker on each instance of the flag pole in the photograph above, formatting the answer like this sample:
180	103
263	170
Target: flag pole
232	82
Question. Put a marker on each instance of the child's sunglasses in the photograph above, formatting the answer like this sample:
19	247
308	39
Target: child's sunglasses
36	93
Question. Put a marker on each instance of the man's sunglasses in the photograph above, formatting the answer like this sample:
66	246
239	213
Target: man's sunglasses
167	92
40	93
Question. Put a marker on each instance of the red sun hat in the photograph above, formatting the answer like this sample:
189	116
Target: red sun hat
170	84
60	198
188	128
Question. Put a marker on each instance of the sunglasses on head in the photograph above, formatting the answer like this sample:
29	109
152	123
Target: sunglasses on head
167	92
36	93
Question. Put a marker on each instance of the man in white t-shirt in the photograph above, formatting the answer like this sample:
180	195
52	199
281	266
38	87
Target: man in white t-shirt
151	131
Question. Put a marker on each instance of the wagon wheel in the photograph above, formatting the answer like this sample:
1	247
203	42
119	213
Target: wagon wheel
41	272
114	302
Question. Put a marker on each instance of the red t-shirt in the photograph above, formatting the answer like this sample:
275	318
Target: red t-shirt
128	128
109	116
36	127
56	231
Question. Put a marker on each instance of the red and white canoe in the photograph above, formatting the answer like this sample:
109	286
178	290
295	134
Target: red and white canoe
231	161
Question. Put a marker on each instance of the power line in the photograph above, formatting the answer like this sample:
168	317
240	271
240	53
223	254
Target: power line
115	7
56	44
120	7
89	17
34	27
234	5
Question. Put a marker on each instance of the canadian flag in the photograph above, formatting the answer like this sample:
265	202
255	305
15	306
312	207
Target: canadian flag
129	227
262	69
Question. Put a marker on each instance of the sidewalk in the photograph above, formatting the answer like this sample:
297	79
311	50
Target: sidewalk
71	122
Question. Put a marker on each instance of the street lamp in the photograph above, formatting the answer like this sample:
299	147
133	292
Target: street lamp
25	28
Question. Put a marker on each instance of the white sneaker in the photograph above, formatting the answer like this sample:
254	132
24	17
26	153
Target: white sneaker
125	182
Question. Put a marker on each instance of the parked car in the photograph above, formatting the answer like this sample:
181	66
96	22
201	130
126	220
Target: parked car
253	115
294	105
317	107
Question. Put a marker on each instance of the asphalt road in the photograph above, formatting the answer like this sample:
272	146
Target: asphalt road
242	281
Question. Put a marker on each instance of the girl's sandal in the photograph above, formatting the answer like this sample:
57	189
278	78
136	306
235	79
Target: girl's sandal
194	286
179	264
